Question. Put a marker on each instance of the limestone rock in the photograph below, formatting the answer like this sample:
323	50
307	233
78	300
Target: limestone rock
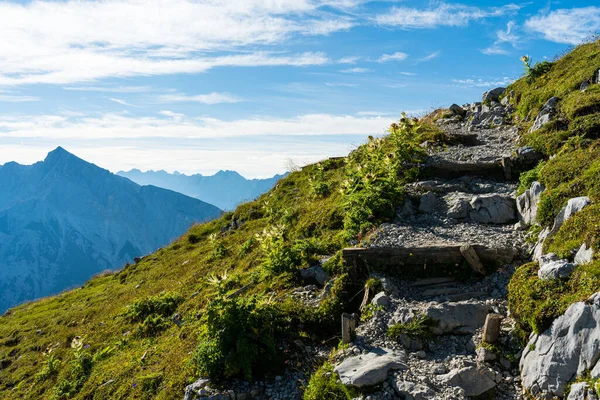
460	318
568	348
527	203
413	391
546	114
316	273
427	203
459	210
560	269
474	380
582	391
408	209
381	299
492	209
528	154
485	355
458	110
596	79
492	95
371	368
573	206
547	258
584	255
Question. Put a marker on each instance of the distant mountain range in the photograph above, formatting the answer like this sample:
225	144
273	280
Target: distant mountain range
225	189
63	220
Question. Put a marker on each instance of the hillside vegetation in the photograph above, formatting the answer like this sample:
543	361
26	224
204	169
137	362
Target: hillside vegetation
215	301
572	170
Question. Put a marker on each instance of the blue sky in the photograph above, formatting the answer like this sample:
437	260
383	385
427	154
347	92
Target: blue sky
199	86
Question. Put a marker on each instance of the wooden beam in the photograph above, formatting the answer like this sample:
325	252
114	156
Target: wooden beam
472	258
507	166
348	327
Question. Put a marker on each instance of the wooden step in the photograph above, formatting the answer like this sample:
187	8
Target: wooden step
429	261
498	171
432	281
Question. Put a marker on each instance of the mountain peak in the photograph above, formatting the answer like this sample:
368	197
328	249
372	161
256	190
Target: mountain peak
62	156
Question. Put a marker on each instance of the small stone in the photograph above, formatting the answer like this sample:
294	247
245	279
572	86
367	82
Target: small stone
485	355
381	299
584	255
421	354
428	203
491	328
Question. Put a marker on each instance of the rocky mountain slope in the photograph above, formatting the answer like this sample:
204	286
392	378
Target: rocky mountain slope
225	189
459	253
63	220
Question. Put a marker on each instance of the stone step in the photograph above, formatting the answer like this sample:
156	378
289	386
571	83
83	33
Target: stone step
499	171
424	261
432	281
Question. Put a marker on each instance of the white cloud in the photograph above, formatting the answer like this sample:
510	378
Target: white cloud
211	98
341	84
348	60
77	41
109	89
122	102
503	36
430	56
442	14
397	56
7	98
504	81
569	26
355	70
124	126
407	73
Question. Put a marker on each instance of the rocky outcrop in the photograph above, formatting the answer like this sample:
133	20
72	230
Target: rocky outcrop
475	380
493	95
370	369
460	318
582	391
492	209
527	204
548	111
428	203
573	206
315	273
584	255
569	348
559	269
411	390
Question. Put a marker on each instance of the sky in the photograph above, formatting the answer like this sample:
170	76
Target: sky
254	86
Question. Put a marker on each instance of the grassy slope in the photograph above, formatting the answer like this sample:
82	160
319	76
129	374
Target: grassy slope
307	212
573	141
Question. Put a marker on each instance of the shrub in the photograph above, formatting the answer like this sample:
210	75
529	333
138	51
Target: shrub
278	256
417	328
240	337
532	72
152	325
50	368
194	238
325	385
163	305
79	370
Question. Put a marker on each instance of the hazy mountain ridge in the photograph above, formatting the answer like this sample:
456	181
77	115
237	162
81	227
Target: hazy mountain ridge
63	220
225	189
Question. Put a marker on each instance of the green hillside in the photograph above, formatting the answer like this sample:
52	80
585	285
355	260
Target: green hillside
117	337
217	301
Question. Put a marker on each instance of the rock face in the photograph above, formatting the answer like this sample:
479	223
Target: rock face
570	347
492	209
582	391
316	273
527	203
584	255
474	380
458	110
559	269
573	206
459	318
381	299
371	368
546	114
64	220
492	95
428	203
411	390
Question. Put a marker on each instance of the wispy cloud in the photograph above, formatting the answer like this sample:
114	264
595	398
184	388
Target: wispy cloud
407	73
397	56
569	26
441	14
341	84
7	98
502	37
210	98
349	60
357	70
430	56
504	81
109	89
122	102
125	126
48	41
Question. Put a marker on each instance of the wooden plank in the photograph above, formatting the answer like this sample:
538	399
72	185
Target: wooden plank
432	281
348	327
452	170
432	255
507	166
441	291
472	258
